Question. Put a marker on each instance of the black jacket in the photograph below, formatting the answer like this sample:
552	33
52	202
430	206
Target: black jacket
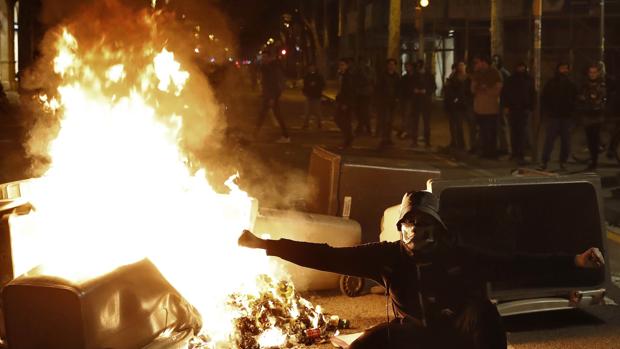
388	88
313	85
519	93
424	81
272	79
346	95
457	94
559	97
453	280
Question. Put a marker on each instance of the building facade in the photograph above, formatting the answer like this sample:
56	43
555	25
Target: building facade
459	29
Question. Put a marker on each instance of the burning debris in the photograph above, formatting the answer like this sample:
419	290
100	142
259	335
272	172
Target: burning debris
276	317
134	86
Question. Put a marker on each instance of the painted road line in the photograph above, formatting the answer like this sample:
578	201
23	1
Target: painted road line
615	237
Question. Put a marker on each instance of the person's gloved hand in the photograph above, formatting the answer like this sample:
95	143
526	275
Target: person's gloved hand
249	240
592	258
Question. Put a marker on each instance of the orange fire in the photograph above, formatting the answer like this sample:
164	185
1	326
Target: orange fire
119	187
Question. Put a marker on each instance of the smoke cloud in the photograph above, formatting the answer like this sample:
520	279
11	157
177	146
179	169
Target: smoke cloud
205	127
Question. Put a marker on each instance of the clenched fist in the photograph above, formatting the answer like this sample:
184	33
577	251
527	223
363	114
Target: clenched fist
592	258
249	240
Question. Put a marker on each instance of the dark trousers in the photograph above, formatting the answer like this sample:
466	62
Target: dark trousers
362	111
271	102
557	127
487	125
468	331
474	134
343	120
421	108
386	119
593	135
518	132
457	138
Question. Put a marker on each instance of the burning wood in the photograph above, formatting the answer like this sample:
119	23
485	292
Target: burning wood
276	317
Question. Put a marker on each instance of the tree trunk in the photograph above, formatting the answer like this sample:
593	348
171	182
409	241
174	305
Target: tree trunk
497	28
394	30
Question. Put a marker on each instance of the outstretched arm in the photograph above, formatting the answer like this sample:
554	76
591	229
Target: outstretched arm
499	266
364	261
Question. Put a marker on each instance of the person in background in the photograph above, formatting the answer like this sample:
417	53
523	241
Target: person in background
486	87
457	100
592	98
503	125
313	90
364	84
423	89
406	99
558	106
518	98
437	286
272	81
345	101
388	93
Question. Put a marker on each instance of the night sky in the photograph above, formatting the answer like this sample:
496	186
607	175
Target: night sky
256	21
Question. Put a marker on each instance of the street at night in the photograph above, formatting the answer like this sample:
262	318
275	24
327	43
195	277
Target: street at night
185	174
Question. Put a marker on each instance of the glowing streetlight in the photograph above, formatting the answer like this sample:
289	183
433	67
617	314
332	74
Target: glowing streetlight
423	3
283	52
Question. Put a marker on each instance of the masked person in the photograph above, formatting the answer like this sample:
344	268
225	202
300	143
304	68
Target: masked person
437	288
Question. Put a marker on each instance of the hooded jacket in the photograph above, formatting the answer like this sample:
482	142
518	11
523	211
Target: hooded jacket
444	290
558	97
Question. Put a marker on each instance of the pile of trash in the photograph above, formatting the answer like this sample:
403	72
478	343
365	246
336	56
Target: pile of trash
279	317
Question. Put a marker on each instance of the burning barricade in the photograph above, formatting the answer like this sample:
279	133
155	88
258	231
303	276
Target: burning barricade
119	185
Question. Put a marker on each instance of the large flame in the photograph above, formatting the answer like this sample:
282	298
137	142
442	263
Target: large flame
119	188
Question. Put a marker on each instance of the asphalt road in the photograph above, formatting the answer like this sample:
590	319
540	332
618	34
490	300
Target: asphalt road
269	169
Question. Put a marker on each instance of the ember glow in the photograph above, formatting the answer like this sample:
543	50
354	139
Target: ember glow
119	187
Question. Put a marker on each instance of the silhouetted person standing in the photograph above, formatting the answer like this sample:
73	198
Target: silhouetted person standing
457	100
558	105
345	101
423	89
519	98
486	87
313	90
592	99
388	92
364	84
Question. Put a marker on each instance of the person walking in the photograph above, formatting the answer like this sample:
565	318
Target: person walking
364	84
592	98
313	90
424	87
457	100
345	101
519	99
388	92
272	83
558	106
486	87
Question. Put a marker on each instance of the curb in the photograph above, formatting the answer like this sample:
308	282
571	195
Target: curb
613	233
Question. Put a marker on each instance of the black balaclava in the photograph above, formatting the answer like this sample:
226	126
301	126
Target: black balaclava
427	239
